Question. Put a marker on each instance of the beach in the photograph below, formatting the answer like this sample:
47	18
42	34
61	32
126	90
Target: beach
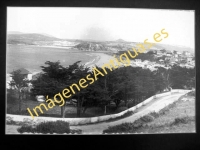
99	60
32	57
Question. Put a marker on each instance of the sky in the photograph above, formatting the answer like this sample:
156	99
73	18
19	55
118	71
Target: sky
134	25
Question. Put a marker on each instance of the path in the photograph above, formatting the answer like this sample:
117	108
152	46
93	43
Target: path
99	127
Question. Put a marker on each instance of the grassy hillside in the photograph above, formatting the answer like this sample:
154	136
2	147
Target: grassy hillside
178	117
30	38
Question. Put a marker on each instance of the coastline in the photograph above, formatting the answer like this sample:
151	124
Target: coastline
62	47
99	60
91	58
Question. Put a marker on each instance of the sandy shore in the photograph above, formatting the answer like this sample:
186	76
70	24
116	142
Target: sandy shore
99	60
62	47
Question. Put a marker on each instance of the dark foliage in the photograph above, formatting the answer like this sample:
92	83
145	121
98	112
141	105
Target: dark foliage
47	127
118	85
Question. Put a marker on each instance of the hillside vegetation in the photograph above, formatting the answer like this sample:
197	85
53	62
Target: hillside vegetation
178	117
28	39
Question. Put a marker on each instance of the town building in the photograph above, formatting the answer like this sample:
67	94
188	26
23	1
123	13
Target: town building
26	74
137	60
186	53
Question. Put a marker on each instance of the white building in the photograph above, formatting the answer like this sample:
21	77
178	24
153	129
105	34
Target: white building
26	74
137	60
186	53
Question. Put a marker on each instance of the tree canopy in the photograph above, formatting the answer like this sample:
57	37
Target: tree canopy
121	84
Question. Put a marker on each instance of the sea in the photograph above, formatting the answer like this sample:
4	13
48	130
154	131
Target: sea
33	57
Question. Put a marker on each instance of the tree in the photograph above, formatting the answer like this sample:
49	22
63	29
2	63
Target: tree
18	82
182	77
150	52
100	87
77	72
55	78
163	78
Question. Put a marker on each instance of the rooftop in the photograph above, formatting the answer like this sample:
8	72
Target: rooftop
23	71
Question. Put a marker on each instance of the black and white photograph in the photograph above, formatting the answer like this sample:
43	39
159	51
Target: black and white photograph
100	71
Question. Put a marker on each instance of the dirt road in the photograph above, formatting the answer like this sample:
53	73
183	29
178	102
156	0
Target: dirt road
153	105
99	127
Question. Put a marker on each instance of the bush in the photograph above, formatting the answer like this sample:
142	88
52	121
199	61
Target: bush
11	97
95	110
167	108
110	109
121	104
130	127
138	123
9	120
147	118
154	114
182	120
192	93
53	127
76	131
17	112
120	109
130	104
47	127
26	128
122	128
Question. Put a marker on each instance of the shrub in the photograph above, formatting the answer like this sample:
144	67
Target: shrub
17	112
47	127
192	93
128	113
121	104
11	97
154	114
76	131
53	127
111	109
182	120
27	121
124	127
130	104
95	110
138	123
9	120
26	128
129	127
147	118
120	109
167	108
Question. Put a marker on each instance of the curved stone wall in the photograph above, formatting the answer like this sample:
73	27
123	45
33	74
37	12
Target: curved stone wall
82	121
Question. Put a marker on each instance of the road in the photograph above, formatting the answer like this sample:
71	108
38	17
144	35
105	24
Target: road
99	127
153	105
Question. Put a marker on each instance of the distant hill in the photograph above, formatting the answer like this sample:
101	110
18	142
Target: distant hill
15	37
29	38
14	32
95	46
174	47
46	34
120	40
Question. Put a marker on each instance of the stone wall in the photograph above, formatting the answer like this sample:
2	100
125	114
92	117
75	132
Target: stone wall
82	121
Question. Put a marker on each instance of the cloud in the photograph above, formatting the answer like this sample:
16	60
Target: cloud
97	33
